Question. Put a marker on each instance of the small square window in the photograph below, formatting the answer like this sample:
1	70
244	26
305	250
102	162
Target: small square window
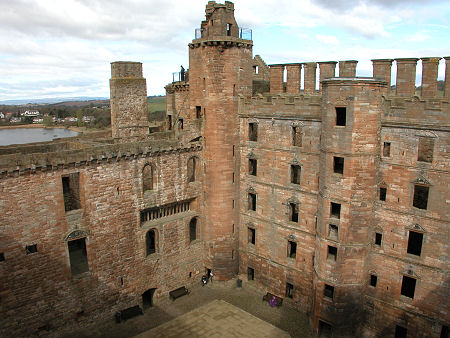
295	173
251	201
383	194
425	151
250	273
29	249
335	210
338	165
333	231
373	280
251	236
252	166
420	196
289	290
341	116
387	149
378	238
292	249
253	132
332	253
328	291
408	286
415	240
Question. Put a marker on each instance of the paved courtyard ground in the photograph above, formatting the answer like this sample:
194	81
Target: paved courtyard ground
223	299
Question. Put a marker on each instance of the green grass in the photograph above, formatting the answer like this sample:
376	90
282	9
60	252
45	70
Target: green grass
156	104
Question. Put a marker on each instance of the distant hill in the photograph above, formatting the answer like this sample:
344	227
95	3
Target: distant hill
50	100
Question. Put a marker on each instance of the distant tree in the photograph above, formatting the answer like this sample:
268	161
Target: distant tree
48	121
80	122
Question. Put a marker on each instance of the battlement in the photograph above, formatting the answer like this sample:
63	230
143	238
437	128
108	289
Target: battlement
126	69
405	77
20	163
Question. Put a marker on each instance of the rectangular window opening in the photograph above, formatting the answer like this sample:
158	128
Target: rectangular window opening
415	240
387	149
297	136
252	166
341	116
251	201
292	249
296	171
78	256
328	291
335	210
198	112
289	290
444	331
29	249
333	231
250	273
338	165
373	280
180	124
400	332
2	257
256	69
408	286
251	236
425	151
229	29
71	191
293	212
253	132
325	329
378	238
420	200
332	253
383	191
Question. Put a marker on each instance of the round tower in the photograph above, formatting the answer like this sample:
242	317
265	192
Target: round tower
349	161
128	99
220	70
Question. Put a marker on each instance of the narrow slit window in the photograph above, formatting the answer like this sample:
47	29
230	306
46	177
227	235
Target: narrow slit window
297	136
289	290
229	29
78	256
191	169
415	240
338	165
335	210
296	171
251	236
292	249
2	256
252	166
387	149
293	212
373	280
198	112
150	241
180	124
251	201
378	238
147	177
425	151
193	229
383	191
250	273
71	192
408	286
341	116
253	132
420	200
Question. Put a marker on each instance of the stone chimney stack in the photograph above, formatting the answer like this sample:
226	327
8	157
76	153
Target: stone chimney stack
406	77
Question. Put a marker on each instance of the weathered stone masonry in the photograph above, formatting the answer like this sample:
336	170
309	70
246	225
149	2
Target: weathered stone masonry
335	199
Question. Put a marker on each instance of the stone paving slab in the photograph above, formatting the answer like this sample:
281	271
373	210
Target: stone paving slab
215	319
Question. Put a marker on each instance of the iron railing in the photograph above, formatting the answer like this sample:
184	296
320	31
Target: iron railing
244	33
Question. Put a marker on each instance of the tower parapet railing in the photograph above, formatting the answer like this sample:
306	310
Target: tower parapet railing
244	33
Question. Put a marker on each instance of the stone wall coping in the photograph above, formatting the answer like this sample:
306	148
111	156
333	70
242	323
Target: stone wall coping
23	163
355	80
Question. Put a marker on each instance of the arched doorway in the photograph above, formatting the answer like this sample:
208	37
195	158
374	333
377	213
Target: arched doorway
147	298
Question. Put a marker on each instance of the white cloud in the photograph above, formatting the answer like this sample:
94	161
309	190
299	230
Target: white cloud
327	39
419	37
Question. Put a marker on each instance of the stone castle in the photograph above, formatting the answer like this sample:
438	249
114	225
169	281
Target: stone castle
335	199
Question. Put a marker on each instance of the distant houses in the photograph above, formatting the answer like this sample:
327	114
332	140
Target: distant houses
31	113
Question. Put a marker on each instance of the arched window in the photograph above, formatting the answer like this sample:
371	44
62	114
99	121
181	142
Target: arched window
191	169
147	177
193	229
150	241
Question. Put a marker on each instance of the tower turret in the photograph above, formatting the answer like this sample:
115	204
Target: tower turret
220	70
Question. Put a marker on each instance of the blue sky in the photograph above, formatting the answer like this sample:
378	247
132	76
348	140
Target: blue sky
61	48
